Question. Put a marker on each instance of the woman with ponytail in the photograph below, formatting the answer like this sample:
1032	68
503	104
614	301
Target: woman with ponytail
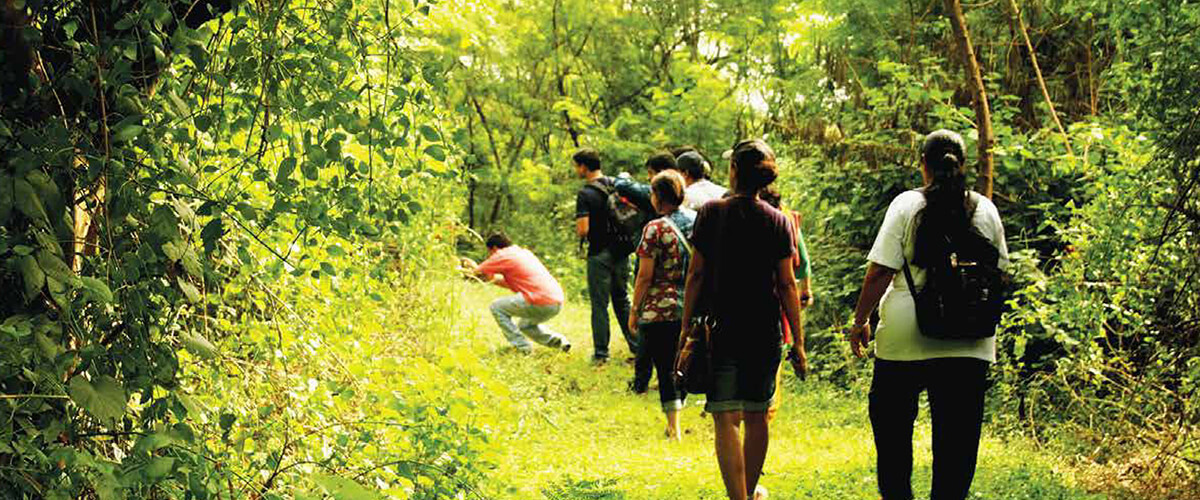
740	276
917	232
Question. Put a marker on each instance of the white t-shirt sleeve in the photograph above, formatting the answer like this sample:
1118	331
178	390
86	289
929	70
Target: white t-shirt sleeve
888	250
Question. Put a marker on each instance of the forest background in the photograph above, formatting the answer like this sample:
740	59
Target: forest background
225	226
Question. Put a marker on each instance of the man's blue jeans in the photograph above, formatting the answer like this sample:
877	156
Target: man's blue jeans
532	316
608	279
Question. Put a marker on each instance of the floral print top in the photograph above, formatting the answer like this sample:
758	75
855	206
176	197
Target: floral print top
664	298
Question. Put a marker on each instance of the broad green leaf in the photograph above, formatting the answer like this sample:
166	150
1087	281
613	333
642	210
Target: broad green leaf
32	275
211	233
286	167
47	190
198	345
328	269
429	133
189	290
27	201
125	132
180	107
341	488
47	347
103	398
158	467
152	442
191	264
97	289
173	250
310	171
54	266
436	152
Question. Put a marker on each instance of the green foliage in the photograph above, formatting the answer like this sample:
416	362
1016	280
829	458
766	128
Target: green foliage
169	171
569	489
222	224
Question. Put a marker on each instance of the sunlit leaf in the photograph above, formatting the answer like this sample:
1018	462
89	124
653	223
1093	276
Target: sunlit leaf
102	397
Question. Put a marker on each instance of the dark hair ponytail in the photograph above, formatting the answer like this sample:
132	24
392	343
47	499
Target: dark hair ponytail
755	162
945	211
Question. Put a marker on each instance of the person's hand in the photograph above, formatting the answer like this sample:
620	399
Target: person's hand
860	336
806	298
467	267
799	360
633	329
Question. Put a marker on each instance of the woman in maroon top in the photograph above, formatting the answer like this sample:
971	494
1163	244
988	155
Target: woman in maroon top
740	276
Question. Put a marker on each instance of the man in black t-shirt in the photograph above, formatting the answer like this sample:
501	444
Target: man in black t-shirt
607	270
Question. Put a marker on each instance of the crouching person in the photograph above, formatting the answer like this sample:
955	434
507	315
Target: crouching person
538	297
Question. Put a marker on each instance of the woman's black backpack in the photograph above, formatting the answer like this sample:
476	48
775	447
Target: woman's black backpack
964	294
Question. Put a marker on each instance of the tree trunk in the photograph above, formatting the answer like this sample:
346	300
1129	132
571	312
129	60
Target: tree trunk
560	77
983	112
472	186
1037	69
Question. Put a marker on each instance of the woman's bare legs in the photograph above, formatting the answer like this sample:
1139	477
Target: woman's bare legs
673	425
730	455
755	446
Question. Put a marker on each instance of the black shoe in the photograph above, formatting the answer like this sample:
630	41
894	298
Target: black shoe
638	388
598	361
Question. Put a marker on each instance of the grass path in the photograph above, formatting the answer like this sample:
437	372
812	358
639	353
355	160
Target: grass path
572	431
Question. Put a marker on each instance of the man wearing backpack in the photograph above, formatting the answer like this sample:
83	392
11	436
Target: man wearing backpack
607	252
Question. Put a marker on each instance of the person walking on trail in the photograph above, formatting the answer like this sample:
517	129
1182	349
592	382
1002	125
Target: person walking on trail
803	270
700	189
658	290
638	194
741	273
607	253
538	297
929	238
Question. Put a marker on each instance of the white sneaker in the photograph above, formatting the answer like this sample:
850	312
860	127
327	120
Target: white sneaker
760	493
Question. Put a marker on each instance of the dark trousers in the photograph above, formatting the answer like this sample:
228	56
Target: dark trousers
608	280
956	387
659	341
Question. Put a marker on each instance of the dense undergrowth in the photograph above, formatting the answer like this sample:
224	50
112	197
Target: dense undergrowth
225	229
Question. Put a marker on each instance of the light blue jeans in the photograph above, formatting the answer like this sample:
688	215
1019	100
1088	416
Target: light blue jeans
532	316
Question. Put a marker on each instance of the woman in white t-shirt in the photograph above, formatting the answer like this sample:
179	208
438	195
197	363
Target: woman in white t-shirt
954	372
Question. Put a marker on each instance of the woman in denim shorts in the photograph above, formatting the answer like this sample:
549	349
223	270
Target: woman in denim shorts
740	275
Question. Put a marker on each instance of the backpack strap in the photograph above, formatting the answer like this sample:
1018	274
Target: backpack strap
912	287
604	188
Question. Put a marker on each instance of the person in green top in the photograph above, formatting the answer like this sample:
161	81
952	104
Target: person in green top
802	263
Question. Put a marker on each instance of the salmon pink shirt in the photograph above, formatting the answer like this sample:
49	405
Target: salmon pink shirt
524	274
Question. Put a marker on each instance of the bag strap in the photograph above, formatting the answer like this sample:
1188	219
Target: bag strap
912	288
601	186
687	247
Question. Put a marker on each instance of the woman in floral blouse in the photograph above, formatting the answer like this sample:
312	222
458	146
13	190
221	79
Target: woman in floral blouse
658	292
